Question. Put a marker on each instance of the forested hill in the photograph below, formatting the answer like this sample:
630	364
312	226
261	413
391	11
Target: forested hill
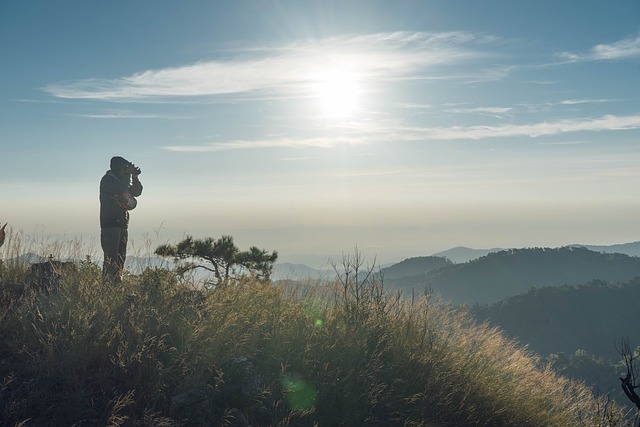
511	272
414	267
563	319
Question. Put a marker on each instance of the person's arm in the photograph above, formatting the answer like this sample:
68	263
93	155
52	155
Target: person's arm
135	189
110	186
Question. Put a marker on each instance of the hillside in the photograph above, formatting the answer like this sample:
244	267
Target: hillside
550	320
508	273
155	351
576	329
414	267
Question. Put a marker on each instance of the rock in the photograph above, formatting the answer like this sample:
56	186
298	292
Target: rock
46	276
242	384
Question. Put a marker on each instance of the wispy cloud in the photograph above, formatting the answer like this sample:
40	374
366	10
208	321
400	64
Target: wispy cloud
133	116
319	142
626	48
496	112
369	173
39	101
586	101
384	133
481	110
563	143
410	106
605	123
291	68
543	82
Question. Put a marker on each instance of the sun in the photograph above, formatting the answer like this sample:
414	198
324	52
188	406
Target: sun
338	92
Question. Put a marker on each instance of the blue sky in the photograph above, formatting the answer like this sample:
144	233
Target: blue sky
310	127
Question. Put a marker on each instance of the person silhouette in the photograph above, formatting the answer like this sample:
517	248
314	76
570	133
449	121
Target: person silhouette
118	189
2	233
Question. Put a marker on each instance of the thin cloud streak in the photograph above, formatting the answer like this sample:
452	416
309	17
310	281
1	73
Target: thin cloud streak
132	116
327	142
491	110
606	123
564	143
290	69
368	173
370	134
626	48
39	101
390	131
587	101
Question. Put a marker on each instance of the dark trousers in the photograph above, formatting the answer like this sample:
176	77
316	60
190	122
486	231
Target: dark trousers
114	245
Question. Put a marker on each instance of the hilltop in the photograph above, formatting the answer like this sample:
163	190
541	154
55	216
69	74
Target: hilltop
157	351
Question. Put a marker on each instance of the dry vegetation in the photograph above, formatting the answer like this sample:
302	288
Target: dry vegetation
157	351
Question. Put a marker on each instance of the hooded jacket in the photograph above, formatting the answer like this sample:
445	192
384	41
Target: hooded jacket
112	215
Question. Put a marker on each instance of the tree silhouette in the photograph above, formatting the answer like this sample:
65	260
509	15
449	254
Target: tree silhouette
220	257
630	382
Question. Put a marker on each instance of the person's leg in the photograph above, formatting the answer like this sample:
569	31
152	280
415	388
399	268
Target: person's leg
122	251
110	239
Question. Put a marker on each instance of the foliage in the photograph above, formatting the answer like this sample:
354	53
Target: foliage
341	354
221	257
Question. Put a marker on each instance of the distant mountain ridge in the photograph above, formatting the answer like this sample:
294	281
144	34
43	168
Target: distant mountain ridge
462	254
410	266
507	273
631	249
290	271
414	266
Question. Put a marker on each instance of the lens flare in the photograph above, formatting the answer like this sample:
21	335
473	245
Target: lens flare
301	396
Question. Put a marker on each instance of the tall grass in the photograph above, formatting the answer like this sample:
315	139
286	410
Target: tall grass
260	354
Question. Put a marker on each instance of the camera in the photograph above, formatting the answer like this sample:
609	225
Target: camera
133	169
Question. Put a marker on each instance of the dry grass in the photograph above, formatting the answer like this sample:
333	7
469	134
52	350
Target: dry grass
336	354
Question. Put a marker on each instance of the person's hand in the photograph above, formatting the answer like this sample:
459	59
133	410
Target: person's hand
134	170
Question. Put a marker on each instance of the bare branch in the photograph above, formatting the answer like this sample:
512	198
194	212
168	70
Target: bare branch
629	382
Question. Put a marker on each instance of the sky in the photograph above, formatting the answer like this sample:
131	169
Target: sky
400	128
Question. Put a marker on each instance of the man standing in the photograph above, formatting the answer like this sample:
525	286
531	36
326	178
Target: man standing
118	189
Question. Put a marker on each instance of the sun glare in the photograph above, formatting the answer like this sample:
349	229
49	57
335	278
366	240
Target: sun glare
338	92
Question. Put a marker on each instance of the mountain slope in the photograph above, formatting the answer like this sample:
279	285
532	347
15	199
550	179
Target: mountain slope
414	267
563	319
507	273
